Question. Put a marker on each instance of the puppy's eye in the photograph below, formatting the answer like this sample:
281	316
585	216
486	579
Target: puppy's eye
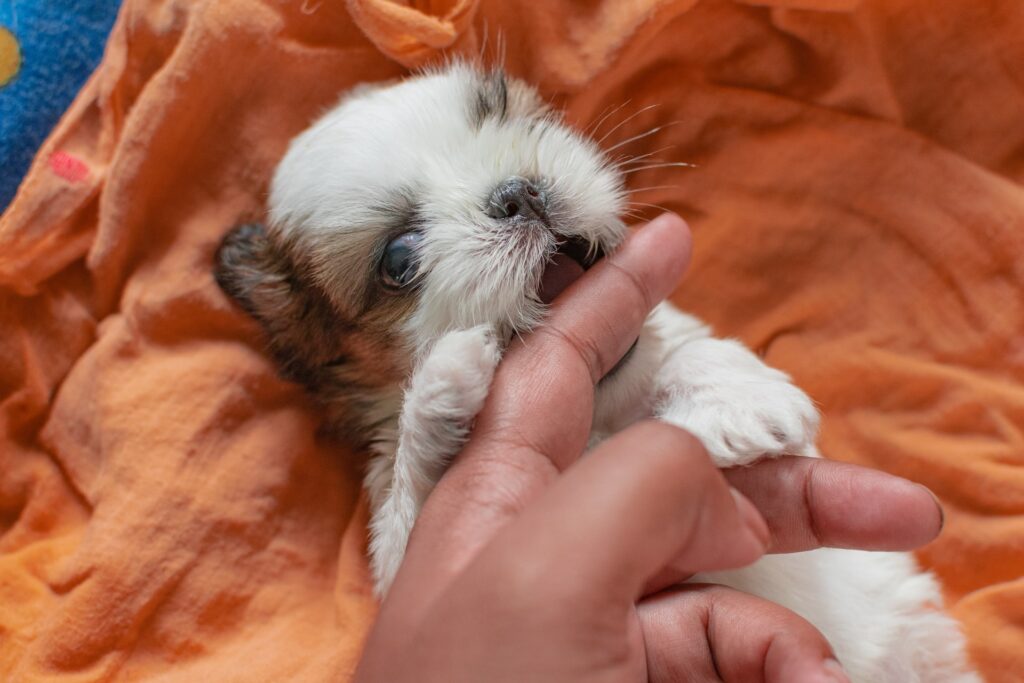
399	264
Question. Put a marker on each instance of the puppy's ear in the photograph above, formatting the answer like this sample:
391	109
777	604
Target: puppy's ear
248	270
301	326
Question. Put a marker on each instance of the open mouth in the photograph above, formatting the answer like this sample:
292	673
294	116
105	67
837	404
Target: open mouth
571	259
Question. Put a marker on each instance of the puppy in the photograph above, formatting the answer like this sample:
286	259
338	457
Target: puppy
415	228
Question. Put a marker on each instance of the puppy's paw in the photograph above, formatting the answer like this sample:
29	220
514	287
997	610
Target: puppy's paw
453	380
739	408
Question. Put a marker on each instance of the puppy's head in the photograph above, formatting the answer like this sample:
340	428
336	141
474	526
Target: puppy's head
448	200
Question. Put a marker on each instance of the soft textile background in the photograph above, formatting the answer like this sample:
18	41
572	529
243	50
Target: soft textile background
166	511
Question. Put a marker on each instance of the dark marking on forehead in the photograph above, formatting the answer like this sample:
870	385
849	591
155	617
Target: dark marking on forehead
491	98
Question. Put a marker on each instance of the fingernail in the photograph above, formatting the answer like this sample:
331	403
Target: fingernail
752	518
938	504
833	672
667	218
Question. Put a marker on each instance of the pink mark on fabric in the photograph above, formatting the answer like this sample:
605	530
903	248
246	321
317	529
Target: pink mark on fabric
68	167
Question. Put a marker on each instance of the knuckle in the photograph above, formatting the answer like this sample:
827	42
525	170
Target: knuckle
635	284
489	491
582	347
809	506
505	477
506	436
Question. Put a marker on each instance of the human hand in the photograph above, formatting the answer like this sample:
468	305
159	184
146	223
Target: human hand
521	567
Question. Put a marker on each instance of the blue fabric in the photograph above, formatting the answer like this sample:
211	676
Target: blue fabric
61	42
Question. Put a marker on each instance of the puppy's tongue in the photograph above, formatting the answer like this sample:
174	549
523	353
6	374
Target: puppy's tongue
559	274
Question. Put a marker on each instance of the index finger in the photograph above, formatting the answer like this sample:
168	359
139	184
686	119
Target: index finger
813	503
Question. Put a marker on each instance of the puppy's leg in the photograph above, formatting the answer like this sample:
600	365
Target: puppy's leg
719	391
446	392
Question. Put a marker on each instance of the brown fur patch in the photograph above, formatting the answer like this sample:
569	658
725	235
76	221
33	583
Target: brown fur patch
348	361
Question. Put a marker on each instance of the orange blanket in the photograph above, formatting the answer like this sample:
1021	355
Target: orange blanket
166	510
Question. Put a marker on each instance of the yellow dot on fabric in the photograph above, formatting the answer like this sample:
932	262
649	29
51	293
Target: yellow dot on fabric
10	56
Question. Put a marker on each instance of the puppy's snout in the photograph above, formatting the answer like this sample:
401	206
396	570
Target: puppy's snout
518	197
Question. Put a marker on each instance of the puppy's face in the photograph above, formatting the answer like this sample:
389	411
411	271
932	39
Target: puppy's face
442	202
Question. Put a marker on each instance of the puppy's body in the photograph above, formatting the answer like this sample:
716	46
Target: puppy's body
415	228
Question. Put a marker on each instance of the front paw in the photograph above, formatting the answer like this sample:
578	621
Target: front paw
739	408
449	387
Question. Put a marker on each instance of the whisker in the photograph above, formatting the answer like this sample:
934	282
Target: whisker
515	331
641	136
550	103
670	164
500	48
655	187
480	57
639	157
624	121
659	207
608	111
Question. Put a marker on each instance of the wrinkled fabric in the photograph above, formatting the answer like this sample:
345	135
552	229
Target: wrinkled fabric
167	509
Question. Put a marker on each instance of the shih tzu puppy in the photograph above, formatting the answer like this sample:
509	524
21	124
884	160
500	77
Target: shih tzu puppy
415	227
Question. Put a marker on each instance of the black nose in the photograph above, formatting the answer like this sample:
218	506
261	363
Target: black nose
517	197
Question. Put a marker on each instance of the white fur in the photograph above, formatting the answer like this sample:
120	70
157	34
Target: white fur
478	282
446	392
738	407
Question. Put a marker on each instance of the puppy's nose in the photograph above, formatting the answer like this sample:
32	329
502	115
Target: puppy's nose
517	197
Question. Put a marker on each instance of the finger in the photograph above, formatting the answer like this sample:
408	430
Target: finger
644	498
810	503
540	405
590	327
677	571
713	633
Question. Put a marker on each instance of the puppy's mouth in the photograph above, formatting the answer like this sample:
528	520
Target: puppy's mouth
571	259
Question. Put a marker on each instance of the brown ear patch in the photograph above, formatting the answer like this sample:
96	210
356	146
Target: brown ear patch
242	265
344	363
304	331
